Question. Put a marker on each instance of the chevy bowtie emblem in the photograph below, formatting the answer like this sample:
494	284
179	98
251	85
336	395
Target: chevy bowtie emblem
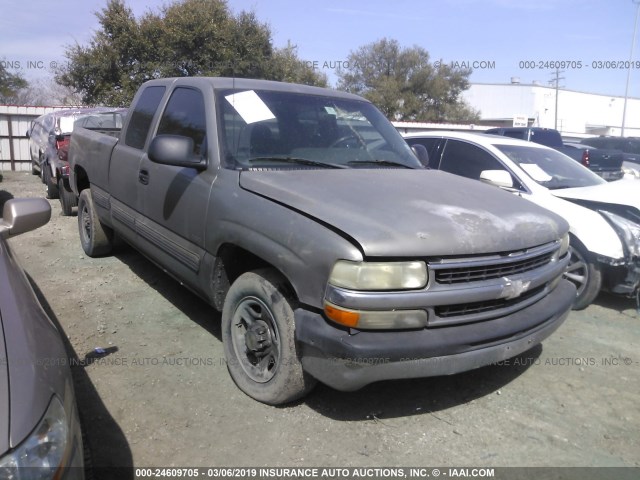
514	288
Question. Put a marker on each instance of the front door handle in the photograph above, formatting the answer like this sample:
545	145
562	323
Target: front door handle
143	177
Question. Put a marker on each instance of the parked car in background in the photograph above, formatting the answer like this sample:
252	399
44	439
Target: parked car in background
607	164
604	217
50	133
108	121
604	163
40	433
629	146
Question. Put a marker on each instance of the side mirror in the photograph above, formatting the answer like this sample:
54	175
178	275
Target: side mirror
21	215
499	178
420	151
175	150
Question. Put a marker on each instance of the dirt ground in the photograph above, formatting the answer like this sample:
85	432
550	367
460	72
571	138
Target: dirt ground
163	397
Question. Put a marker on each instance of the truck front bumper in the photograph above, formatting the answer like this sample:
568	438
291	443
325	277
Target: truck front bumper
349	360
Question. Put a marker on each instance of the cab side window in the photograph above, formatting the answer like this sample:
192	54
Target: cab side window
142	116
185	116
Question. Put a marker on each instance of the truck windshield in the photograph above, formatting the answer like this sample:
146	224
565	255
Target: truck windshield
264	128
550	168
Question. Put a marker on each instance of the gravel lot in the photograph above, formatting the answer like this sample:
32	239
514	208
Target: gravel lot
163	396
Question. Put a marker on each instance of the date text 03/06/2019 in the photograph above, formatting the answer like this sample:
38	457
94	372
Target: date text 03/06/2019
578	64
313	472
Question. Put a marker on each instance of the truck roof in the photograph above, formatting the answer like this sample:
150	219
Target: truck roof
220	83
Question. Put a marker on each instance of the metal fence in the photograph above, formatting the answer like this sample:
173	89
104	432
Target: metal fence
15	121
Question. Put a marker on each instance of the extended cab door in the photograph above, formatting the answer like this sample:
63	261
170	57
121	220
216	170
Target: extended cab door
176	199
126	179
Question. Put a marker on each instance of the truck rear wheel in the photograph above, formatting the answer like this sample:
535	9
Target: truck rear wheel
52	187
68	199
258	332
584	274
95	238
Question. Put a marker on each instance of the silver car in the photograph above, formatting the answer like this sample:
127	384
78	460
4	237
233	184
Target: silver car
40	435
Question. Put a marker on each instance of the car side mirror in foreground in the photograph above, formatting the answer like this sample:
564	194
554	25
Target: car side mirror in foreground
21	215
499	178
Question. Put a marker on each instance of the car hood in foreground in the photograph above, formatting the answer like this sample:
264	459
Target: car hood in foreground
33	361
4	394
622	192
394	212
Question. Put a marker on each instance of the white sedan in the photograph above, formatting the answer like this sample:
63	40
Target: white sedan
604	217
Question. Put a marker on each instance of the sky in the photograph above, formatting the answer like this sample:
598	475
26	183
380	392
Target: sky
499	39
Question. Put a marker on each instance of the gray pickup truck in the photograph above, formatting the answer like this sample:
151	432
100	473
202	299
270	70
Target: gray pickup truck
303	216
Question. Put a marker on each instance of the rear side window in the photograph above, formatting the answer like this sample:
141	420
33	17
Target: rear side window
519	134
142	116
185	116
550	138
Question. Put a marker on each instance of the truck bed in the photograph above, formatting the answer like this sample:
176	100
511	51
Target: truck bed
93	147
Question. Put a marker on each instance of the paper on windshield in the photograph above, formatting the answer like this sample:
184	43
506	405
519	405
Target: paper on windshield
250	107
535	172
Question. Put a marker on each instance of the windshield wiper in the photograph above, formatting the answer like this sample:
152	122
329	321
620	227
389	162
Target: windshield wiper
300	161
389	163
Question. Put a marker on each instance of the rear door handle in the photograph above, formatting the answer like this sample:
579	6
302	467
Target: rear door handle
143	177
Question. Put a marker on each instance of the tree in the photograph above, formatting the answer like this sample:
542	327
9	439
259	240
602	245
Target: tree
45	91
10	85
405	85
185	38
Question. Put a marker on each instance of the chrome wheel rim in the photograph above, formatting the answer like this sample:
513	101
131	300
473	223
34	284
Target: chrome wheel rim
578	271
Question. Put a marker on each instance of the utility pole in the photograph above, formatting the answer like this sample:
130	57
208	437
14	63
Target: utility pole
633	44
555	81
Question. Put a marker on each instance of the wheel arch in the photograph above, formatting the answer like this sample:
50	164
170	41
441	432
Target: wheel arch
231	262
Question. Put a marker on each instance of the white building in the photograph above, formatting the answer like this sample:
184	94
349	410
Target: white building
579	114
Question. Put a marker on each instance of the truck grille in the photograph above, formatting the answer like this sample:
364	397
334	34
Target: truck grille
471	273
448	311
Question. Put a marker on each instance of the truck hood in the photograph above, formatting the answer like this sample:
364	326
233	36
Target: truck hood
624	192
417	213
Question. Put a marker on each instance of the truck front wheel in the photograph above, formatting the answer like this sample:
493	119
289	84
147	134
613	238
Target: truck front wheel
258	332
96	239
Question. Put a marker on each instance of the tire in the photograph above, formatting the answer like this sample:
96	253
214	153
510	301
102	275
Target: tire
52	187
258	333
68	199
95	238
584	274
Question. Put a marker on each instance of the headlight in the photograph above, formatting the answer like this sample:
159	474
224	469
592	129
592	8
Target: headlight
564	246
379	275
43	451
376	320
629	231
